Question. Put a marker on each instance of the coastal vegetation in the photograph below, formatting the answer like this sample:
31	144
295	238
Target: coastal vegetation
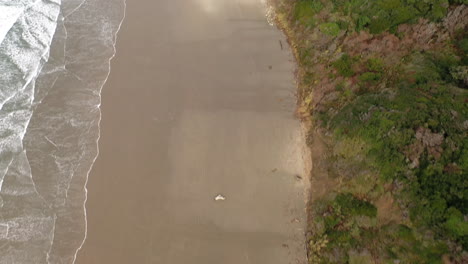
383	85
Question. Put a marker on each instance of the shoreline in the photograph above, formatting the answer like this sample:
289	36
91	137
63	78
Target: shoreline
193	110
99	133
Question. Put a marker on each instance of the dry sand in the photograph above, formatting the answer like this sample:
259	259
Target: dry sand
200	102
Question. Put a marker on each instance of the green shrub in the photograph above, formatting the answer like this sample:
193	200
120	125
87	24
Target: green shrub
305	10
389	14
403	232
370	77
382	15
331	29
331	221
339	3
344	65
460	74
375	65
343	25
340	86
304	56
456	223
379	25
438	9
340	238
352	206
362	22
463	45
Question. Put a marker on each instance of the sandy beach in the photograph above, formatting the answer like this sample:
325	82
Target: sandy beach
199	103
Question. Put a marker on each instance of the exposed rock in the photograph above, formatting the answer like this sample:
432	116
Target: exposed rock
426	140
413	153
456	19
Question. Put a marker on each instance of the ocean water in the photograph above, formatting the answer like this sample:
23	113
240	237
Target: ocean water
54	60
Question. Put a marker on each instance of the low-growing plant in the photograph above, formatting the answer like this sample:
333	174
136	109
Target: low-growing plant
375	65
362	22
331	29
342	24
305	10
344	65
340	86
351	206
370	77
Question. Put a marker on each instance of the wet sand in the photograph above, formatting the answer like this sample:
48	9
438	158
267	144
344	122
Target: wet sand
199	102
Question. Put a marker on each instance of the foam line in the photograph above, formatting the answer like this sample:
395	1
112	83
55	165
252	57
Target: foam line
99	133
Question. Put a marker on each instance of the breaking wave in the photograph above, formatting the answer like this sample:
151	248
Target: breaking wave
54	60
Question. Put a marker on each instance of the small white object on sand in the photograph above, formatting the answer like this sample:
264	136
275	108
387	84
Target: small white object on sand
220	197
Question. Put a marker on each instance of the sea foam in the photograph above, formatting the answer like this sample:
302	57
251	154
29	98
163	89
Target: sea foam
54	60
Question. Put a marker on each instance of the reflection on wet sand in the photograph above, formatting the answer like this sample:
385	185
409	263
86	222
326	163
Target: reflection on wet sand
199	103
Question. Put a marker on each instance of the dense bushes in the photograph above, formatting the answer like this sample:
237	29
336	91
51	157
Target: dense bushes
378	15
420	122
305	10
344	65
395	126
351	206
415	133
331	29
